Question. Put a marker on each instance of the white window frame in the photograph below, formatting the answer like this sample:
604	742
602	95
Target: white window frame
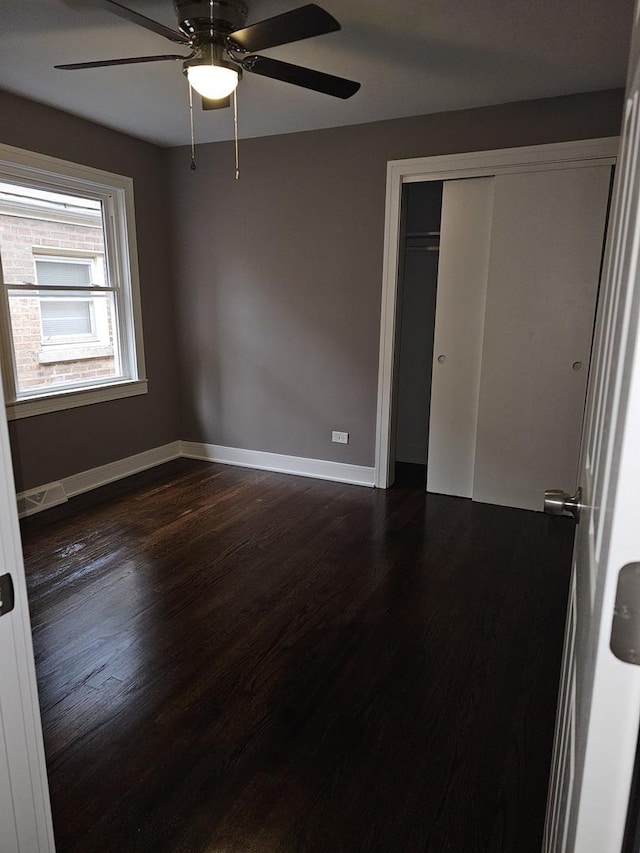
115	192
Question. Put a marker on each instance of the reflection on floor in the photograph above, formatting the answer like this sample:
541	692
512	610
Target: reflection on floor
234	661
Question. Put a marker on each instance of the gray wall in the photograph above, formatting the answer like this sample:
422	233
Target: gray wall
276	279
48	447
280	274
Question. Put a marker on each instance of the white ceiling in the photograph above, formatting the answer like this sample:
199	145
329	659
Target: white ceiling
411	56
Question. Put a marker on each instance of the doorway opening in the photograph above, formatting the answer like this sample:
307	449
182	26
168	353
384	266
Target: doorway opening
416	316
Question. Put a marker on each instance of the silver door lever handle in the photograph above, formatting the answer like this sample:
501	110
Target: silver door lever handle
558	502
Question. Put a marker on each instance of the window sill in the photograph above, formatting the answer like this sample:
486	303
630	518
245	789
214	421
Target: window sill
58	402
56	355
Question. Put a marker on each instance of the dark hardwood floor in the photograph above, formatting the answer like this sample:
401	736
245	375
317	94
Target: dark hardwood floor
234	661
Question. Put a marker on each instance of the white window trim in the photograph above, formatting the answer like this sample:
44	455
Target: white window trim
116	193
62	400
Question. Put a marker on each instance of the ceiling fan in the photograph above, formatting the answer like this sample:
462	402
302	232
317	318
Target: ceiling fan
222	47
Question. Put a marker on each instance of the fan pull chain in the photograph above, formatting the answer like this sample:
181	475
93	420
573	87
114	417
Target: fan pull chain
235	132
193	142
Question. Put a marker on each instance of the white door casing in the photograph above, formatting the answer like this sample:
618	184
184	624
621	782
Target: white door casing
599	709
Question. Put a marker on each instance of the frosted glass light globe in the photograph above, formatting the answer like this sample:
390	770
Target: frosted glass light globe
212	81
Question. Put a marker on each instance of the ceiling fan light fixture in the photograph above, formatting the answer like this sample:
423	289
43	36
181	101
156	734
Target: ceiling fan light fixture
212	81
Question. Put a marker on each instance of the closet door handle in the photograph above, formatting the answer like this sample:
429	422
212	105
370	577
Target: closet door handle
442	359
558	502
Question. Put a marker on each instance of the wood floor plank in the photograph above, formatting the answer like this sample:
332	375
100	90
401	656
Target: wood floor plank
233	661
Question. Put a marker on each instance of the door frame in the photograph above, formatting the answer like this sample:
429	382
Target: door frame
503	161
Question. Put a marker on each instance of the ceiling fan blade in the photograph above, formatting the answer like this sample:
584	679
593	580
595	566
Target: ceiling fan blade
130	60
302	23
299	76
216	104
141	20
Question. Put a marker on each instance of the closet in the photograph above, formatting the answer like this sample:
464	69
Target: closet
417	281
517	275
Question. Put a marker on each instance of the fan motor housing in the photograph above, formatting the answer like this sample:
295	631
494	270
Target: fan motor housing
206	18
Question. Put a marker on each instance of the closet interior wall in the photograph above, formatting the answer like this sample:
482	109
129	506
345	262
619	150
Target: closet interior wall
417	285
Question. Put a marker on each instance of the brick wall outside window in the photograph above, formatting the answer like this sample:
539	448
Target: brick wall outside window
19	237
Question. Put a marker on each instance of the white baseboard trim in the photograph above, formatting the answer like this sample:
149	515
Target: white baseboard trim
52	494
319	469
76	484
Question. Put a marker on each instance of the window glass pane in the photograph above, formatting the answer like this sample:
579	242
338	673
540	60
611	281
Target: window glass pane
65	317
63	273
63	342
35	223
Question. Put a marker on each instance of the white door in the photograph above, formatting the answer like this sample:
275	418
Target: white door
547	235
599	708
463	265
520	257
25	815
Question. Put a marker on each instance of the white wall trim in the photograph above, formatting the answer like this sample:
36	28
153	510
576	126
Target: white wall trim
84	481
37	499
63	400
320	469
449	167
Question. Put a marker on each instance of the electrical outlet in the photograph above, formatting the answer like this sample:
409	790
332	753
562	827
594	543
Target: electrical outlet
340	437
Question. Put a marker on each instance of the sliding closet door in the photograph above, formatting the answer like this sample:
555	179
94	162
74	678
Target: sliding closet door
546	245
465	234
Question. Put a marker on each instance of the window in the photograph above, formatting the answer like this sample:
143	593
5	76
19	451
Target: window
69	319
66	315
75	324
69	311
